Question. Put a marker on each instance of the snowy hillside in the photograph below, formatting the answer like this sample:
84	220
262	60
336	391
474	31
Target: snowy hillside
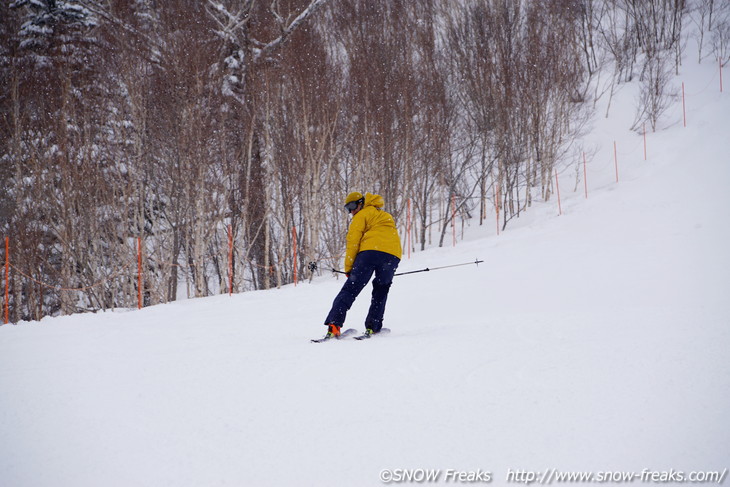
593	341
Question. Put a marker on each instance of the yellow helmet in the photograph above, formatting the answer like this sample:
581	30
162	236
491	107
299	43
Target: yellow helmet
354	196
353	201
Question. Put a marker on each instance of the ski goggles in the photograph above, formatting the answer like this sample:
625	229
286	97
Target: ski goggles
351	206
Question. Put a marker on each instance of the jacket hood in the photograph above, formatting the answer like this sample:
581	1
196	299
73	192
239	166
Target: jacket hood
373	200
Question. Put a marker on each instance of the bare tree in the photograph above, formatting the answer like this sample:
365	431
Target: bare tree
701	15
654	93
721	34
253	36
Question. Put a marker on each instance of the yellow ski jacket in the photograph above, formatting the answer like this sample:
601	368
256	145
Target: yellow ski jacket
371	229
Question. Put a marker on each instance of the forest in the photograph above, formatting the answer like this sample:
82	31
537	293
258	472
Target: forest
162	134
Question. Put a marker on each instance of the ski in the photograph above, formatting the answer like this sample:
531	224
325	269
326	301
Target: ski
365	336
343	334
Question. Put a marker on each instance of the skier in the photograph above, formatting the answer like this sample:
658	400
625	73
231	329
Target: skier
373	246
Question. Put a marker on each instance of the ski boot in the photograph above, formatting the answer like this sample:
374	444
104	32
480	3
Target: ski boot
368	333
333	331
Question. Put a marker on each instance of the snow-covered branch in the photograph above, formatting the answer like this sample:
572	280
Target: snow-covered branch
287	30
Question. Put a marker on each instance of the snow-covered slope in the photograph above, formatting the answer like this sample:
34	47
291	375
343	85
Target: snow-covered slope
592	341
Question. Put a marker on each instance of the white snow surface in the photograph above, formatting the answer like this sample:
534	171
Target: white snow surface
592	341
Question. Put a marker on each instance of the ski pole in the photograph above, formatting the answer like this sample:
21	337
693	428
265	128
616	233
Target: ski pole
427	269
